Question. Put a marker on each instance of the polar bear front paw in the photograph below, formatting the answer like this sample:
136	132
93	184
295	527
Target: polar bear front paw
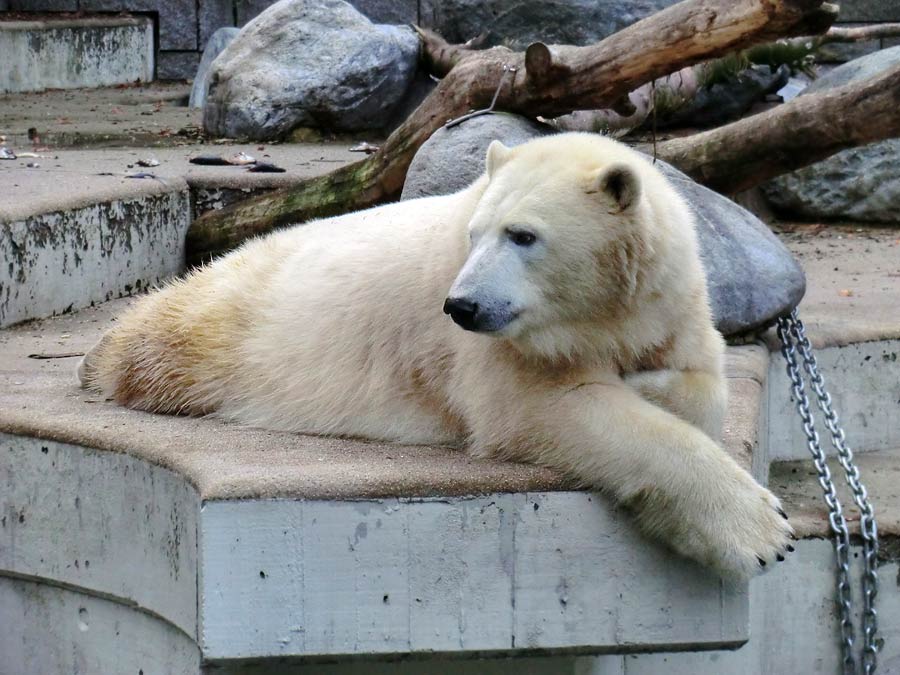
737	527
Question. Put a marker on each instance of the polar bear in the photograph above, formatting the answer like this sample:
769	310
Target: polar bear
579	337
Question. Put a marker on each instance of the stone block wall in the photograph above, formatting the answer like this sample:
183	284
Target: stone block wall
184	26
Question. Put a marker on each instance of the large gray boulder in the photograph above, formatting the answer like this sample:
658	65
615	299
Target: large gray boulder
315	63
216	45
752	277
453	158
516	25
858	183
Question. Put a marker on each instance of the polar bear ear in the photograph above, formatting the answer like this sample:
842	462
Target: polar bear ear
497	155
619	182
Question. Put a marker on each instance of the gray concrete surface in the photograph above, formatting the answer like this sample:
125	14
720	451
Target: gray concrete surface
102	524
796	483
146	115
71	179
75	53
51	630
501	573
78	230
69	258
863	380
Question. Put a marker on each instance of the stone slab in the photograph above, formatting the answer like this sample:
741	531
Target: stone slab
553	572
147	115
56	54
864	383
793	627
853	282
74	179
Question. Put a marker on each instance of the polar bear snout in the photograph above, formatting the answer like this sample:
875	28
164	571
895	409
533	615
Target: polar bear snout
469	315
462	311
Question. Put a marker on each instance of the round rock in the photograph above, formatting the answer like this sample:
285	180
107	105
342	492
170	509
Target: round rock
313	63
858	183
216	44
752	278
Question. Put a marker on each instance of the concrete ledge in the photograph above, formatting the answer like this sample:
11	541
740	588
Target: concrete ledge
555	572
796	483
864	383
48	629
74	53
102	524
64	260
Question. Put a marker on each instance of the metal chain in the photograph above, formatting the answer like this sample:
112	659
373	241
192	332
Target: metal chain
868	526
793	338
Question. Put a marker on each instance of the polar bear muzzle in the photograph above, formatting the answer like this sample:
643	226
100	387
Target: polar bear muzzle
469	315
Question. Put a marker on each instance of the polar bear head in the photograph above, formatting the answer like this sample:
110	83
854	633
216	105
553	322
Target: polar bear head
558	240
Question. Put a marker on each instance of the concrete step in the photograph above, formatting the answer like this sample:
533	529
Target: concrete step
77	230
67	53
797	484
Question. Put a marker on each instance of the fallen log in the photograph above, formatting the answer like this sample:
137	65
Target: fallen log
737	156
546	80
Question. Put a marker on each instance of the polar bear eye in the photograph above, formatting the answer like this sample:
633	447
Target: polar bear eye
521	237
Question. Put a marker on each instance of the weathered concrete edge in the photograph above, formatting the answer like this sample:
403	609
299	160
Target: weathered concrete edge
49	629
498	574
84	22
66	260
130	189
863	379
65	522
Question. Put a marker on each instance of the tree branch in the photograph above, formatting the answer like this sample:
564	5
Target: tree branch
803	131
860	33
552	81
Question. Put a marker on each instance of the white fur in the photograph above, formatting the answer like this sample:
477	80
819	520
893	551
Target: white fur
607	366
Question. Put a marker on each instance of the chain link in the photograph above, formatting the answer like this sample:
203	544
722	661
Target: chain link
793	338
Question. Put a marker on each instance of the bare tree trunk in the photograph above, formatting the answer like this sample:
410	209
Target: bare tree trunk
547	81
803	131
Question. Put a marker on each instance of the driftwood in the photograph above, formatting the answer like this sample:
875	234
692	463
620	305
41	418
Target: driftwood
805	130
546	81
858	33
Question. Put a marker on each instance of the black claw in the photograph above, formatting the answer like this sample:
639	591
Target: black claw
790	548
782	514
762	563
779	557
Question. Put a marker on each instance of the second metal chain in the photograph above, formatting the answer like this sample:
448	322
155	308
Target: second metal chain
793	338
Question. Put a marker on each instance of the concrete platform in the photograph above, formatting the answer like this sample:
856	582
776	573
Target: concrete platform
275	549
75	53
335	548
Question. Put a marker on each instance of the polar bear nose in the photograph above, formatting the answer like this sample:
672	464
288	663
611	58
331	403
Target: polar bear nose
462	311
